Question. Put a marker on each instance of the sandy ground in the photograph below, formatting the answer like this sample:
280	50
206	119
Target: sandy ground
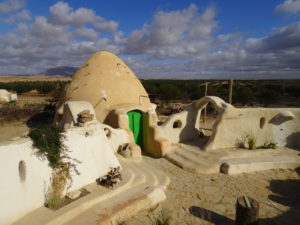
11	130
210	199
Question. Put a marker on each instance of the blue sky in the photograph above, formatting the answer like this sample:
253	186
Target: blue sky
156	38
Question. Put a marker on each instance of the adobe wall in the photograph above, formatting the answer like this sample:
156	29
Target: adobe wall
265	124
23	190
280	125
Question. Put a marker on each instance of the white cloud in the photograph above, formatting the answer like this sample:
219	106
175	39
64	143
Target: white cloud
11	6
66	37
284	38
174	34
23	15
288	7
85	33
62	14
180	43
106	26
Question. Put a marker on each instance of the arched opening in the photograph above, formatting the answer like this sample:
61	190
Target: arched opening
22	171
177	124
207	119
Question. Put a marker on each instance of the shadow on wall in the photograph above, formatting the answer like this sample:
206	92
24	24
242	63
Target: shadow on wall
293	141
189	132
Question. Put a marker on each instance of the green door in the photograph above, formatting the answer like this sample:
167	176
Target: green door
135	119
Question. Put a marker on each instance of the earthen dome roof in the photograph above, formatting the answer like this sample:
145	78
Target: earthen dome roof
106	82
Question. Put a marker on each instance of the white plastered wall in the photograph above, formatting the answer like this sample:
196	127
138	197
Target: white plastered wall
17	198
188	120
235	123
280	125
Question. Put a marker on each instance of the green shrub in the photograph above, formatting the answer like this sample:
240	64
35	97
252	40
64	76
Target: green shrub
251	141
49	142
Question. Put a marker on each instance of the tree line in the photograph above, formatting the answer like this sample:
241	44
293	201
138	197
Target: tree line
43	87
264	92
244	92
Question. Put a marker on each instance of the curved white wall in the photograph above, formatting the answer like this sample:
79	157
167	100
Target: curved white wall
17	198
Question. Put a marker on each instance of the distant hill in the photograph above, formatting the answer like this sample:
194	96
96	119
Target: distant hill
65	71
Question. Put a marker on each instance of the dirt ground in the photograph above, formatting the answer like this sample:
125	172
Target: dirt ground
12	130
210	199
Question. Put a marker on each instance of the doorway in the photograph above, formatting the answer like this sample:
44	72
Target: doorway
135	119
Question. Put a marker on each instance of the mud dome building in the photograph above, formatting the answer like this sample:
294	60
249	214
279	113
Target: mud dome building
120	101
118	111
115	93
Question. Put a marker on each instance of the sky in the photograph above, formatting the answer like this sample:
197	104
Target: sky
156	38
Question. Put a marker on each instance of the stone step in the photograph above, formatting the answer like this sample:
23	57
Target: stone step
120	208
142	168
131	177
142	187
181	162
265	162
188	160
198	160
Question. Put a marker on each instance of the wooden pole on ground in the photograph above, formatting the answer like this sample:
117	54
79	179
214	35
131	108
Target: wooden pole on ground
247	210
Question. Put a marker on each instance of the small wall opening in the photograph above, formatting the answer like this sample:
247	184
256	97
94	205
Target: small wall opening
262	122
107	132
22	171
177	124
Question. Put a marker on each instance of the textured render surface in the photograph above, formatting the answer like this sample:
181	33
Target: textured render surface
193	159
71	109
142	187
232	125
181	127
272	124
210	199
106	81
24	187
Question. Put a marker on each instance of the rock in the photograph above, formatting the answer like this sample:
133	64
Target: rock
224	168
74	194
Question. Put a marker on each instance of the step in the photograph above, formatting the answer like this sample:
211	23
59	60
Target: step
198	160
119	209
43	215
251	164
181	162
193	163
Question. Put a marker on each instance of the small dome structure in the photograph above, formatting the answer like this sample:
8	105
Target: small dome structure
107	83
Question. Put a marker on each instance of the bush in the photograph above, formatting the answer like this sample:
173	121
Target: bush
49	142
251	141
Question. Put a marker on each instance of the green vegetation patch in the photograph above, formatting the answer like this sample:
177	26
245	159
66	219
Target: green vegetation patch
49	142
